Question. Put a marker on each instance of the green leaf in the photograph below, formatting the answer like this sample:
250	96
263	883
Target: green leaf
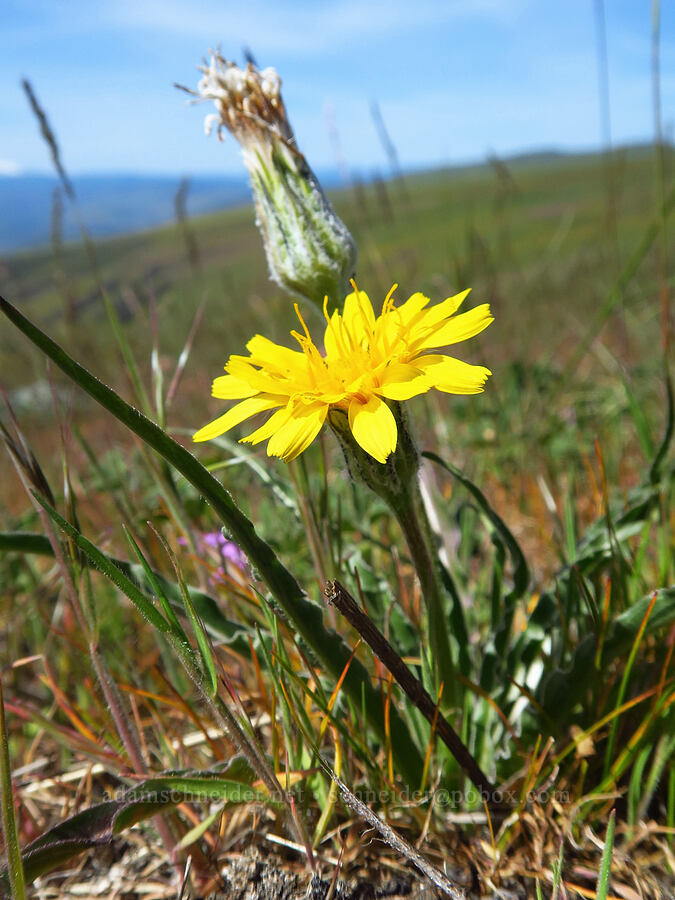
25	542
99	824
494	651
521	575
458	625
655	471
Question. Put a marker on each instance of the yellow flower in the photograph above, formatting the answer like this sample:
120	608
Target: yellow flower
368	362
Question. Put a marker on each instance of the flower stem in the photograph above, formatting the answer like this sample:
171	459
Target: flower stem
397	483
411	516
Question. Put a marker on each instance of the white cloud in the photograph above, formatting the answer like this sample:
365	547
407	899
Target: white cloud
9	167
299	28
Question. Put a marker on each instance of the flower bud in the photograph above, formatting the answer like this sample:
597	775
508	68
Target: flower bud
310	252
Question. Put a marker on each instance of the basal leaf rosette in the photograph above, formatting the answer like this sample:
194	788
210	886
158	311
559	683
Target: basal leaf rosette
369	364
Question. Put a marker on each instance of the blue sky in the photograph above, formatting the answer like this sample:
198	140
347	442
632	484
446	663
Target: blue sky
455	79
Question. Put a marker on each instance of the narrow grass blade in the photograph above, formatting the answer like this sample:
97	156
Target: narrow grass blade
663	756
639	418
358	742
670	806
185	353
240	456
561	688
208	663
283	708
635	785
101	561
194	834
15	872
304	615
205	605
457	621
606	863
333	794
616	292
171	616
581	736
557	873
127	354
628	668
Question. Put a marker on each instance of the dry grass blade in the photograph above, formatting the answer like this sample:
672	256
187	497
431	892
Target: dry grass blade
341	598
50	138
395	841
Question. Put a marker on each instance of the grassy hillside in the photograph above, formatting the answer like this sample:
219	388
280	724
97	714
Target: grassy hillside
539	240
517	231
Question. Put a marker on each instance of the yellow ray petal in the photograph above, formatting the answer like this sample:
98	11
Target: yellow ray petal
275	357
401	381
412	307
447	308
336	340
458	328
452	376
414	322
390	334
358	315
227	387
374	427
298	432
277	420
264	380
234	416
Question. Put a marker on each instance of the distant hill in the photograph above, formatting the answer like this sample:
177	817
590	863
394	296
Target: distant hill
122	204
110	204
